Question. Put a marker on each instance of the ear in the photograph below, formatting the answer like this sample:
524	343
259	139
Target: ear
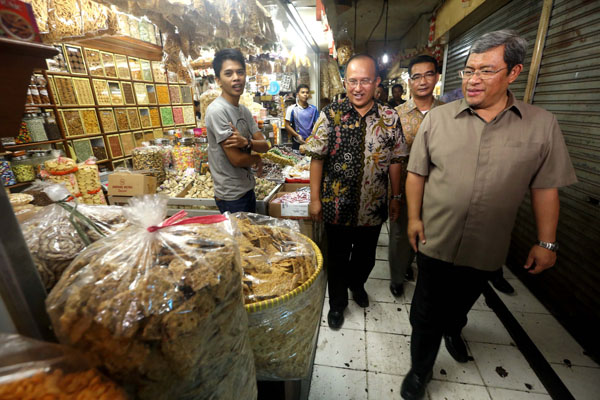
514	73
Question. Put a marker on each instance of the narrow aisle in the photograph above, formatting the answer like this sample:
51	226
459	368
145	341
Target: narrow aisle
368	358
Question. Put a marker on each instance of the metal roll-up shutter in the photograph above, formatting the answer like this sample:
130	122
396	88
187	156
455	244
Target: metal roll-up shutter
568	85
521	16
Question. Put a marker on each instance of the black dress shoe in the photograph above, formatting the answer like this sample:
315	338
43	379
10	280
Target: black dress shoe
414	385
502	285
456	347
360	297
397	289
410	275
335	319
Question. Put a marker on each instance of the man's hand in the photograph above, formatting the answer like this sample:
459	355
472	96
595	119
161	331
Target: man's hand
259	167
540	258
416	231
235	140
300	140
394	210
315	210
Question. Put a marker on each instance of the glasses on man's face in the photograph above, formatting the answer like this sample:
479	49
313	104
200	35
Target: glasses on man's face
481	73
363	82
427	75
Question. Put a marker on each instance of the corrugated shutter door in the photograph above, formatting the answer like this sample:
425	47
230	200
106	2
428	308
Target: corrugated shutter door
522	16
568	85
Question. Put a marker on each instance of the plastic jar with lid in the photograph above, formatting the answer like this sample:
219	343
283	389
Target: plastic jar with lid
7	177
22	167
52	130
38	158
184	155
201	144
35	125
166	150
149	158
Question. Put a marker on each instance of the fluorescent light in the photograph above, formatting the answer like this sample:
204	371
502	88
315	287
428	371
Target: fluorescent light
384	59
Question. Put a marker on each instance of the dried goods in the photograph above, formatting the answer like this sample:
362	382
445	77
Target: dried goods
72	122
166	115
263	188
107	117
202	187
108	61
102	92
62	170
115	92
83	149
64	20
90	121
158	69
162	92
175	184
122	121
128	93
174	94
205	99
178	115
186	94
136	70
66	92
151	94
114	143
23	172
88	180
122	67
141	93
75	58
189	116
169	322
134	119
154	116
127	142
99	152
146	70
83	91
94	62
145	118
149	158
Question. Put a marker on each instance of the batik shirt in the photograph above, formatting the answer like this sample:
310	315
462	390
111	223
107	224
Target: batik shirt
357	153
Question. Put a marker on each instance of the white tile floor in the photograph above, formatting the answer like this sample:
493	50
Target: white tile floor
368	358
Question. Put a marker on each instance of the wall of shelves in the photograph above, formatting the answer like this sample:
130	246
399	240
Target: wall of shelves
106	104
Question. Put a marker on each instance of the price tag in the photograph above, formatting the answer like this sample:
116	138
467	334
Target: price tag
294	210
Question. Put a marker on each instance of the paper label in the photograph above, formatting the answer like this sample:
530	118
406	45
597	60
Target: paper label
294	210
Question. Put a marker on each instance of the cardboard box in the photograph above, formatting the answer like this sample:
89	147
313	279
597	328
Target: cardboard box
292	187
130	184
292	211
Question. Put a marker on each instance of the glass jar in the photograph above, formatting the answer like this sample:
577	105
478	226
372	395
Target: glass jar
201	144
35	125
149	158
52	130
38	158
7	177
166	150
22	167
184	154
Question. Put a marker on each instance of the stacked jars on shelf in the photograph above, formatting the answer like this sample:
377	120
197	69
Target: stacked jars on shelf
22	167
184	154
6	174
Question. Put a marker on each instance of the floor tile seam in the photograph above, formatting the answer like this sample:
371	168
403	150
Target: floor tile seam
478	369
343	329
389	333
512	344
573	365
342	368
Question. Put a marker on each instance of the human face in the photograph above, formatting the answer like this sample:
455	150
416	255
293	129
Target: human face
423	86
361	95
397	94
232	79
303	95
488	94
381	94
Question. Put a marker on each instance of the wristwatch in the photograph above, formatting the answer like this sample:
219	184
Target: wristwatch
397	197
548	245
249	145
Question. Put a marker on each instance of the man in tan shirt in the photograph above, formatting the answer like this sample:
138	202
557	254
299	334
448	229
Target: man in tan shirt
470	166
423	71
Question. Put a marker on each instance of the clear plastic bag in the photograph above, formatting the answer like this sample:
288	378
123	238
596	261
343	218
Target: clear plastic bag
58	233
35	370
159	306
88	180
284	288
64	20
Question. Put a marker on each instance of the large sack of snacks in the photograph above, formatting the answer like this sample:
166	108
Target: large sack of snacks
57	233
284	288
34	370
159	306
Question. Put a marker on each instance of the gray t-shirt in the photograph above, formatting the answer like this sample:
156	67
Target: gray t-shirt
231	182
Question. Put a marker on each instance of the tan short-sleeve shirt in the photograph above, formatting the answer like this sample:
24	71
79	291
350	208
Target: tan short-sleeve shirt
478	174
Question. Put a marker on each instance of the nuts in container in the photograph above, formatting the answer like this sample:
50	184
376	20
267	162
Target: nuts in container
149	158
88	180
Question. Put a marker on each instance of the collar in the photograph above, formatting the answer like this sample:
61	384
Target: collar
346	107
304	108
513	105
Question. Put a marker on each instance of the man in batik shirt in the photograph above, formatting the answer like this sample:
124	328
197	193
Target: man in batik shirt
354	144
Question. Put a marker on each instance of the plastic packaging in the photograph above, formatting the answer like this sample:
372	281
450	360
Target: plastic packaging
35	126
283	269
58	233
7	177
159	306
62	170
88	180
35	370
51	127
149	158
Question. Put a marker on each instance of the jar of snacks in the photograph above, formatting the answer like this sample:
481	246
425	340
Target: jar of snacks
149	158
24	136
52	130
201	144
7	177
35	125
167	151
22	167
184	154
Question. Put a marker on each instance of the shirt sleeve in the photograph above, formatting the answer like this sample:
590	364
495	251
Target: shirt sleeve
420	159
315	115
288	113
400	148
217	124
317	143
556	169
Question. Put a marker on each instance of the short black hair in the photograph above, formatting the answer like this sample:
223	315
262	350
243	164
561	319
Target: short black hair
397	85
362	55
422	59
196	103
227	54
302	86
381	86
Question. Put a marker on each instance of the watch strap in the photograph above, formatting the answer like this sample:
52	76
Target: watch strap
548	245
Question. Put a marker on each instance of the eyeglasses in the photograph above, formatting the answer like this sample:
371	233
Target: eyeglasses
363	82
482	74
427	75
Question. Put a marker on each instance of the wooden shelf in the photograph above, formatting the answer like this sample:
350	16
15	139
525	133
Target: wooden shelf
125	45
18	146
19	185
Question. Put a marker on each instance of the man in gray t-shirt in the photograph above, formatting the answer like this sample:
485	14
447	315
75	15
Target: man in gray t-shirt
232	136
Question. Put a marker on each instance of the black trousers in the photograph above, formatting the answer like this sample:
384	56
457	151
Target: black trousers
351	258
443	297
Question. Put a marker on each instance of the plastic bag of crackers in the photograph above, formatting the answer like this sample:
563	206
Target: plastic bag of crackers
159	305
57	233
35	370
62	170
284	288
88	180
